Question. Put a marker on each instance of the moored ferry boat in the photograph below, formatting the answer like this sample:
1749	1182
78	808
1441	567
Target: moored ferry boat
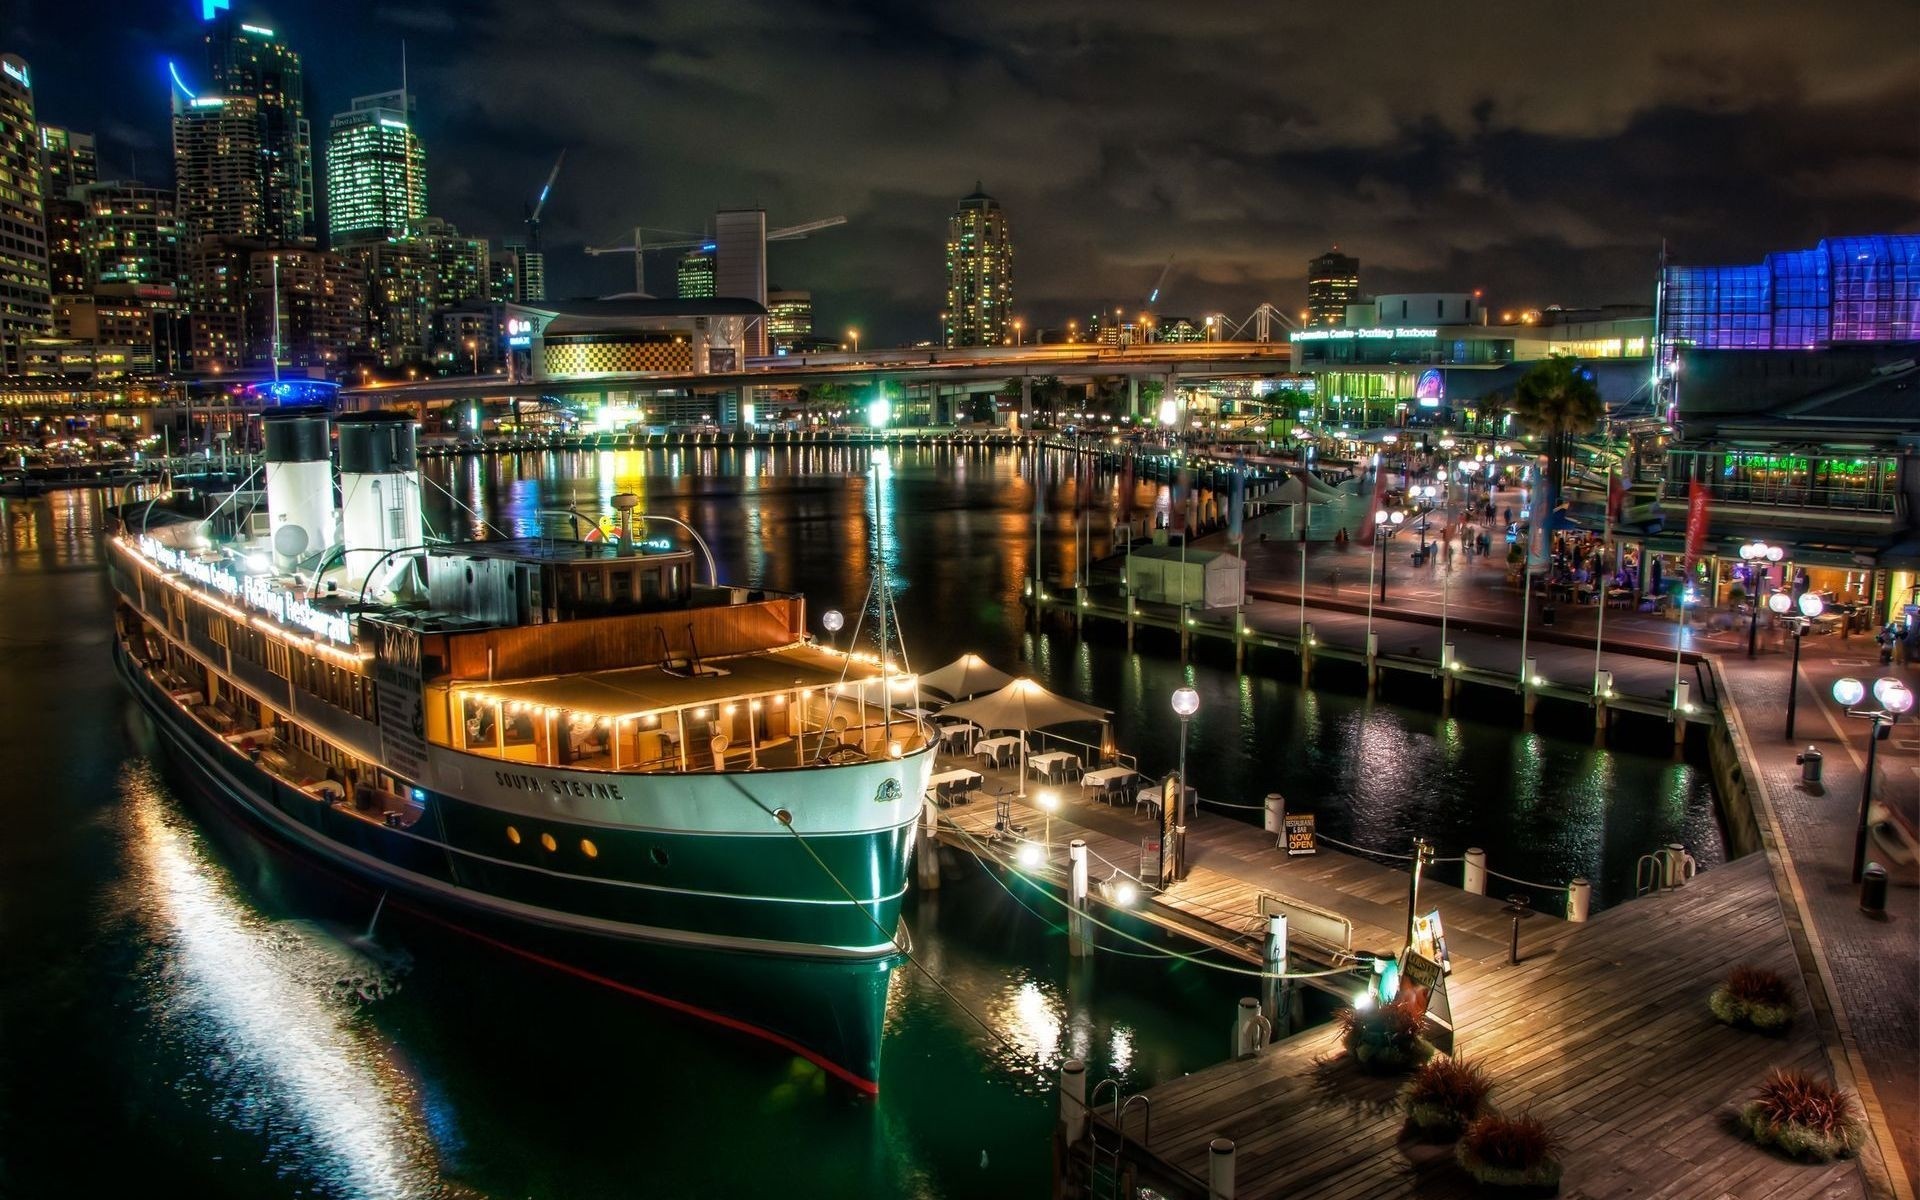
587	751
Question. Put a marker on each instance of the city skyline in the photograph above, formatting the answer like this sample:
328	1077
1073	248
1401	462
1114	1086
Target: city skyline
1541	185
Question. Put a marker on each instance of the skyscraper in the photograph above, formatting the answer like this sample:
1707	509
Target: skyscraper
68	158
250	62
26	301
69	269
789	318
1333	282
529	271
376	171
216	166
461	265
696	275
133	235
979	272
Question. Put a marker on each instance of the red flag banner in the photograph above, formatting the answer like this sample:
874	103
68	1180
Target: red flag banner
1366	518
1696	521
1616	494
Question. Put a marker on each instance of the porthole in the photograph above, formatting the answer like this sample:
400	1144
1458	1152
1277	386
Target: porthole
513	835
658	856
547	842
588	848
783	816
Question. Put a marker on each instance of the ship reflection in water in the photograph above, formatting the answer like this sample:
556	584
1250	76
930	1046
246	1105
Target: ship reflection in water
265	1017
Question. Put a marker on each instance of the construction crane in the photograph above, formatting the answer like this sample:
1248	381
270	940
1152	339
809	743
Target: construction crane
539	205
639	246
1153	297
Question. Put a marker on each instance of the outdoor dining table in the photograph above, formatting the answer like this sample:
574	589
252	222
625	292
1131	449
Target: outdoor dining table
994	749
957	731
1107	781
1051	764
954	784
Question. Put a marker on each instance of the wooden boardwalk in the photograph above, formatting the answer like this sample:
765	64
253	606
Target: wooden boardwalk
1231	865
1603	1032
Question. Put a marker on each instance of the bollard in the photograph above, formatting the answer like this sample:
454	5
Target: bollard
1278	998
1873	890
1579	898
1810	761
1079	928
1073	1099
1474	873
1275	820
927	853
1673	862
1220	1169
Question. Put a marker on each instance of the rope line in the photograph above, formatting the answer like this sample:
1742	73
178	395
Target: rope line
1545	887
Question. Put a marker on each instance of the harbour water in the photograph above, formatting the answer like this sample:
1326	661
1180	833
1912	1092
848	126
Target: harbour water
183	1011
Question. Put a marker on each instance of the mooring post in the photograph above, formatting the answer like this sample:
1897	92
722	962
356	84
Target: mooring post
1079	928
1073	1099
1579	898
1474	874
1220	1169
1279	998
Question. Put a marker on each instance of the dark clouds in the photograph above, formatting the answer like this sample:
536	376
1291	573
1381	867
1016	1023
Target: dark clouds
1538	151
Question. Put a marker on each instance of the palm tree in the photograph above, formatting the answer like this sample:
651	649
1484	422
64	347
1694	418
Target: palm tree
1557	401
1492	408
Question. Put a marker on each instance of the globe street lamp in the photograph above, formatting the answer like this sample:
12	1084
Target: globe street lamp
1893	699
831	621
1810	606
1186	702
1385	525
1758	555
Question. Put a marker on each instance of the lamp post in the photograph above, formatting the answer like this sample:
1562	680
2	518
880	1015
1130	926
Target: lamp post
1758	555
831	621
1186	702
1679	643
1894	699
853	335
1811	606
1385	525
1049	801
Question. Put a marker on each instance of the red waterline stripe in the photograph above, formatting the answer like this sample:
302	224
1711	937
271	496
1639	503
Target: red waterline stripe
866	1086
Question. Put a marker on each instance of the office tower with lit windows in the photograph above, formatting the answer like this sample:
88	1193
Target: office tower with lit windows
69	270
695	276
132	233
789	319
1333	282
529	271
240	285
219	185
250	62
503	278
461	265
376	172
979	272
26	298
68	158
399	298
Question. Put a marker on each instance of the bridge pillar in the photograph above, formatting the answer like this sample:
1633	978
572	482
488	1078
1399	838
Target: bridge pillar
1133	396
1026	399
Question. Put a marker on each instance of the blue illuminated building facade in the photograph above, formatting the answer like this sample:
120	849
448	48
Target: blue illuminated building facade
1843	291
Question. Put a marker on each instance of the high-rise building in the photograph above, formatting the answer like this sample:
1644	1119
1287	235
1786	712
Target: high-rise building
68	158
26	299
529	272
789	318
239	284
132	233
376	171
461	265
399	304
740	266
69	269
125	328
696	275
220	188
1333	282
979	272
249	62
503	278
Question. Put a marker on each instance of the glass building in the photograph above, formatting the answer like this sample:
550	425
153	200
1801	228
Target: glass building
376	172
1333	282
695	276
1844	290
979	272
789	318
26	300
250	62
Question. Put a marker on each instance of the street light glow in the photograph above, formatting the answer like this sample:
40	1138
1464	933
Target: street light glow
1848	691
1186	701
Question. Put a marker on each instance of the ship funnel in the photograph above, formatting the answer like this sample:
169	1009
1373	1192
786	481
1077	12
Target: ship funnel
300	516
379	492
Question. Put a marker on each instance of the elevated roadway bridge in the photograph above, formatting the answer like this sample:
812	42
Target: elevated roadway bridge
928	372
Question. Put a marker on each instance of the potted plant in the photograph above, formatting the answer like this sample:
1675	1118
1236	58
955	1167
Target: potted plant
1804	1117
1754	998
1445	1096
1385	1038
1513	1154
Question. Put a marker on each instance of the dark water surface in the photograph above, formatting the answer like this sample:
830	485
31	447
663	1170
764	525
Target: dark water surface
184	1012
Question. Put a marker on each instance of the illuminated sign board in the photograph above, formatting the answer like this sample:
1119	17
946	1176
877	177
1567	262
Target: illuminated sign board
519	332
1344	335
207	102
209	7
262	31
256	591
390	123
1431	388
18	71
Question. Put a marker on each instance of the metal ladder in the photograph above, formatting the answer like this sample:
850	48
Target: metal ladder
1121	1107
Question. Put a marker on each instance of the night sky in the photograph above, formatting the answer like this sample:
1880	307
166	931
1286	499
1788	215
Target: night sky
1538	151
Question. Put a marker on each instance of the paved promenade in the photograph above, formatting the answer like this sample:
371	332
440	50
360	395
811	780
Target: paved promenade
1862	974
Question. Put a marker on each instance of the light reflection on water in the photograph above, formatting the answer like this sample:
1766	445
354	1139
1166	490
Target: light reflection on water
250	1011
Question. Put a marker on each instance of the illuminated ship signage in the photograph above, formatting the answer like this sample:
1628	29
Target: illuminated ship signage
1343	335
255	591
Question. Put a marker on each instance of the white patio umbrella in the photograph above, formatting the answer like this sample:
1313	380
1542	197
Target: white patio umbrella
1024	705
966	676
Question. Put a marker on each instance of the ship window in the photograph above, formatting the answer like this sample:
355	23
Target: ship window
547	842
588	848
659	856
590	586
622	585
513	835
